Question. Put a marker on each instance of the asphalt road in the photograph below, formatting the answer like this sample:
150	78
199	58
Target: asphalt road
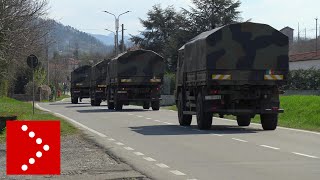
154	143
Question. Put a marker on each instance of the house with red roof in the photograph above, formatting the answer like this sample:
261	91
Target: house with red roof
305	60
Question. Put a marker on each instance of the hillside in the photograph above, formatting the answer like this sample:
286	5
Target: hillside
67	40
109	39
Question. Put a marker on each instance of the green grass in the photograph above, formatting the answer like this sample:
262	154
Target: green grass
301	112
24	112
58	99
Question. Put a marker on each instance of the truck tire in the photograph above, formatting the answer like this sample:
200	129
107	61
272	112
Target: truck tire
92	102
204	119
74	100
118	106
269	121
146	105
184	120
244	120
97	102
110	105
155	105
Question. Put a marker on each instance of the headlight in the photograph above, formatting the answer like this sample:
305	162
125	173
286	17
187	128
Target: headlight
155	80
126	80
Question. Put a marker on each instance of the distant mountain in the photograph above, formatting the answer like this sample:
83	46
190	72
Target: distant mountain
68	40
109	39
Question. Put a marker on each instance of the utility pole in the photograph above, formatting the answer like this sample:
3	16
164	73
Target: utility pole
305	33
298	32
316	36
47	59
117	28
122	48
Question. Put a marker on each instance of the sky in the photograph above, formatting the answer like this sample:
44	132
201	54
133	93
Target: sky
87	15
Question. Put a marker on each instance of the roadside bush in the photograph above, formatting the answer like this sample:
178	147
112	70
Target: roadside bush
303	80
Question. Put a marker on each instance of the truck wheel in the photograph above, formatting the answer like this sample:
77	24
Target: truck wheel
146	105
118	106
155	105
97	102
92	102
110	105
184	120
204	119
269	121
74	100
244	120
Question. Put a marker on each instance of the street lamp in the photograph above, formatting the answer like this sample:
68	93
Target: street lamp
115	39
117	27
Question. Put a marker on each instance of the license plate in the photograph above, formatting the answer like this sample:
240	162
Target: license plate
213	97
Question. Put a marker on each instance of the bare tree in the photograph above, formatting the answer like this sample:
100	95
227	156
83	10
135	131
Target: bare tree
21	32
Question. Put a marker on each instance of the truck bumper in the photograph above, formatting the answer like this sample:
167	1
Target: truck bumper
244	111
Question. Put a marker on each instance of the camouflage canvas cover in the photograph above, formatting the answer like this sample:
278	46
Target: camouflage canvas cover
140	65
99	73
237	47
80	77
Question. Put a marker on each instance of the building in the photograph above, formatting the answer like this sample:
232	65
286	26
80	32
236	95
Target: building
305	61
288	31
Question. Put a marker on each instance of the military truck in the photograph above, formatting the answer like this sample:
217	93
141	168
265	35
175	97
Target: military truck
236	69
98	83
135	76
80	84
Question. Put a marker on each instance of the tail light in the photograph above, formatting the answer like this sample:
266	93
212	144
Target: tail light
214	92
275	108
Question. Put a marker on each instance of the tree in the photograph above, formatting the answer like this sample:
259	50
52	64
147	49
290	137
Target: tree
162	26
166	30
209	14
21	32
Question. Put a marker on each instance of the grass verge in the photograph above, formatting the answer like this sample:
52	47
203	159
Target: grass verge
58	99
24	112
301	112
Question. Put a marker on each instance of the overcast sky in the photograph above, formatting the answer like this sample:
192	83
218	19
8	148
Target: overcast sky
86	15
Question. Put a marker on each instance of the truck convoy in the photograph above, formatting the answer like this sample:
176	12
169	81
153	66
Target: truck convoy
134	76
232	70
80	84
237	69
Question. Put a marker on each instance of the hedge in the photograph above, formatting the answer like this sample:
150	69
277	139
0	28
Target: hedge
303	80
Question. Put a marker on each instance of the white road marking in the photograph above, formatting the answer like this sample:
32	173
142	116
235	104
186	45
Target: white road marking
167	123
306	155
270	147
80	125
217	135
172	110
138	153
178	173
279	127
236	139
162	165
119	143
140	116
130	114
157	121
73	121
148	118
110	139
129	148
149	159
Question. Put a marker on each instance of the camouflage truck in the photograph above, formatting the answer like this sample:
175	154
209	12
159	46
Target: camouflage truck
98	83
135	76
232	70
80	84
